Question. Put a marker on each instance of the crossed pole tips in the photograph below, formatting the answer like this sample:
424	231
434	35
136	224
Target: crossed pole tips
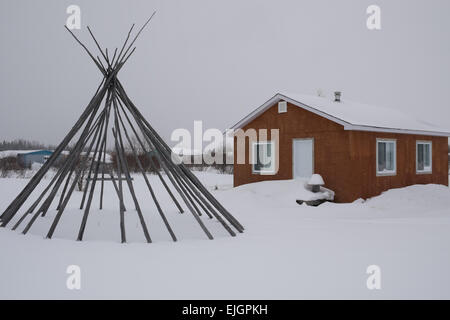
111	111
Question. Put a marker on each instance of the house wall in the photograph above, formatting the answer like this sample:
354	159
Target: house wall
363	160
28	159
345	159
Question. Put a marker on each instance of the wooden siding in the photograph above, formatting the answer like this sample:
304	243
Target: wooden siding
345	159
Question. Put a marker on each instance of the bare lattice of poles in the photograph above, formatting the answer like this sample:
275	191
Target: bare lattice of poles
111	111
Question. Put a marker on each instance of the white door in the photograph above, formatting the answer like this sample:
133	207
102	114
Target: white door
303	161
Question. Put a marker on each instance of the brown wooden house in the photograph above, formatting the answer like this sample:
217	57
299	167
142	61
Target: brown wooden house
359	150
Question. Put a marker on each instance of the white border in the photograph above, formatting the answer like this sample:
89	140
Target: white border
390	173
284	104
271	170
431	155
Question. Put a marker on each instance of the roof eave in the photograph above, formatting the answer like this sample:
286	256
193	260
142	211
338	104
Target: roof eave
394	130
347	125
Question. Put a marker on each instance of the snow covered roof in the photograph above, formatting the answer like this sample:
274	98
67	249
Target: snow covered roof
43	151
14	153
352	115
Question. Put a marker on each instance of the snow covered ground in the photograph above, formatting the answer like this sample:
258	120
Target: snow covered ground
287	251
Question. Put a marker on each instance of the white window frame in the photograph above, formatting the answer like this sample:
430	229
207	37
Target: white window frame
417	157
282	107
268	171
386	173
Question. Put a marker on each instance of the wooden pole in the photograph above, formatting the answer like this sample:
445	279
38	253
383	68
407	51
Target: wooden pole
121	152
121	201
103	177
15	205
91	193
123	46
66	200
184	196
77	150
155	200
130	186
139	32
12	209
91	167
167	159
31	209
150	158
97	127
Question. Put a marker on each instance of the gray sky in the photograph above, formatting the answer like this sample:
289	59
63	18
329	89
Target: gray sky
217	60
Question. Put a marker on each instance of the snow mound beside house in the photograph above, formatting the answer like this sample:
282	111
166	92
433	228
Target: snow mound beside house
284	192
414	199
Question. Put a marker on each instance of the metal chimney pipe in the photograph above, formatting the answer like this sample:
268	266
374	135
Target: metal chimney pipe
337	96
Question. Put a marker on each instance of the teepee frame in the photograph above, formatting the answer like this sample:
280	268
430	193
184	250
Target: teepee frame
117	114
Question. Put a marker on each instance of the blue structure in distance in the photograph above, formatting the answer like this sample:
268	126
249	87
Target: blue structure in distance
26	159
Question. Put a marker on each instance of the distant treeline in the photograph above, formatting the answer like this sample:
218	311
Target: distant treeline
22	144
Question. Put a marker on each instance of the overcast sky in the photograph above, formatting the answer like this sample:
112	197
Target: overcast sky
217	60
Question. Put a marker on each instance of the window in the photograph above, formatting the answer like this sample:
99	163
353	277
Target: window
386	157
423	157
282	107
263	157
